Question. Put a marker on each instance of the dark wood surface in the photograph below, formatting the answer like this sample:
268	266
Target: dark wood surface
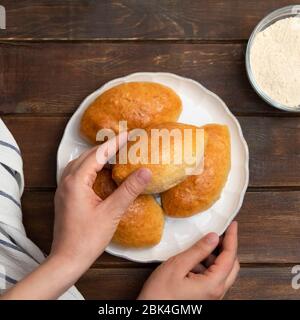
135	19
54	53
56	77
253	283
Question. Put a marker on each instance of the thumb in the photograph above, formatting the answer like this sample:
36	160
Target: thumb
118	202
188	259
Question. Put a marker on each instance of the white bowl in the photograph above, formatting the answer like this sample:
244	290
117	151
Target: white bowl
274	16
200	106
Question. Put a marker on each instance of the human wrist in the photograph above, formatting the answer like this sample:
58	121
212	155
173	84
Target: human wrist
66	265
49	281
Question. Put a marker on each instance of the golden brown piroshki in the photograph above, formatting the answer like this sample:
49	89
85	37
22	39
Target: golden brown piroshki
142	223
139	103
165	174
199	192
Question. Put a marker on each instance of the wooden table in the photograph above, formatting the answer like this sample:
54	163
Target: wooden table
54	53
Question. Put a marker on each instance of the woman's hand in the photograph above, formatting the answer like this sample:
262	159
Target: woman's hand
196	274
84	223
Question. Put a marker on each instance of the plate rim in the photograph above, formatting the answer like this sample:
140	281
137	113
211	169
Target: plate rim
208	92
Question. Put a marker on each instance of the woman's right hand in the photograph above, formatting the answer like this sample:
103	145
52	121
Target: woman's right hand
196	274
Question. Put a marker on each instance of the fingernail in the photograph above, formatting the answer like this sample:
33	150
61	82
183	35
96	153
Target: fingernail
212	238
144	175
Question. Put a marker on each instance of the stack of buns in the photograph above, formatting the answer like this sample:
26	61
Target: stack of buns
149	105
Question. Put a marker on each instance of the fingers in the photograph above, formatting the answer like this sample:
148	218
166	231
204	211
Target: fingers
199	268
189	259
108	149
96	159
206	263
224	263
73	165
91	161
231	278
209	260
233	275
118	202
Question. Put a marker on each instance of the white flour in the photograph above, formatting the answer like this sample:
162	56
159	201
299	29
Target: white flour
275	61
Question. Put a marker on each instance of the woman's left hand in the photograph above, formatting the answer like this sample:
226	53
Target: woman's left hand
84	223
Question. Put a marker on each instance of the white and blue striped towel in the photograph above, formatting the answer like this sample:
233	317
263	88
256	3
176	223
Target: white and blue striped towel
18	254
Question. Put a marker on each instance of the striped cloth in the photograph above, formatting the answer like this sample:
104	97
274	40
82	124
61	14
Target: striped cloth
18	254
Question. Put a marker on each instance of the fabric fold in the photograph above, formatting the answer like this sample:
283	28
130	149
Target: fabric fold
18	254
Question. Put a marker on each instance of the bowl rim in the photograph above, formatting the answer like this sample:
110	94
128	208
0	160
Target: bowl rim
269	18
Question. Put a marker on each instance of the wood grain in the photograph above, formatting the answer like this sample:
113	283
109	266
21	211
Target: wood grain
54	78
133	19
253	283
269	227
54	53
275	214
274	145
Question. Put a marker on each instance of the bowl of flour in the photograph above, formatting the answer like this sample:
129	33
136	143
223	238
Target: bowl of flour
273	58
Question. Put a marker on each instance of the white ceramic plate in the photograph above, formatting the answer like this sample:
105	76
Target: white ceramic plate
200	106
